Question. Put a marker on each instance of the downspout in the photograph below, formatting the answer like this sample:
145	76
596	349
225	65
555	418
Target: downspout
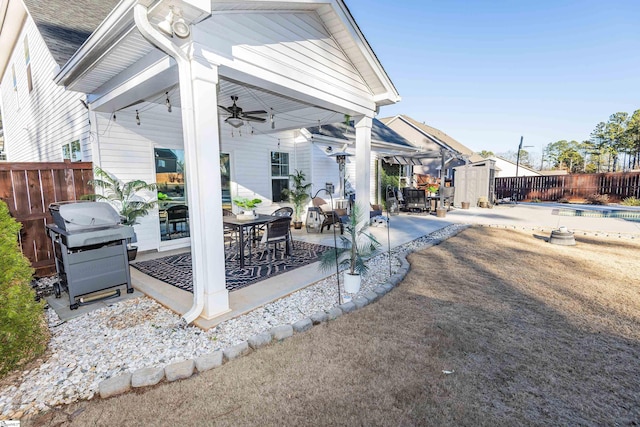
156	38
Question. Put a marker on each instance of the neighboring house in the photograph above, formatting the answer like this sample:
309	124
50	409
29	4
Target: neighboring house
507	168
153	79
327	140
430	139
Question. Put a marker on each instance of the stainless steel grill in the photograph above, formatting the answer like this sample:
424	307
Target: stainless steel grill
90	247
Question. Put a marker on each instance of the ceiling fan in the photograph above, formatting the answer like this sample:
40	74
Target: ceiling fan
238	116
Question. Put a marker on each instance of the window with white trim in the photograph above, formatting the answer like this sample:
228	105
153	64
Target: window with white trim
279	175
27	61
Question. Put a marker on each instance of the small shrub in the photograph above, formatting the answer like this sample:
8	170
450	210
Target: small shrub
23	331
598	199
563	200
631	201
536	200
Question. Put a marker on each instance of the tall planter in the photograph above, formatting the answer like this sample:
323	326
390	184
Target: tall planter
352	282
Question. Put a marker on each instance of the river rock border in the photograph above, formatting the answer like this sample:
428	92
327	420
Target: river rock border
181	370
60	381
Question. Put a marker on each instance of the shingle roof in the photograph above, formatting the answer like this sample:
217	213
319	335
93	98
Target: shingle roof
437	134
379	132
66	24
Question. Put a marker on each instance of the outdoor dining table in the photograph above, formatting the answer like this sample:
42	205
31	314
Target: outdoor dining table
248	225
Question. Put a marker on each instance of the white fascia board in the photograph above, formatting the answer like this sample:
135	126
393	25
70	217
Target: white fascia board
113	29
138	86
245	72
391	96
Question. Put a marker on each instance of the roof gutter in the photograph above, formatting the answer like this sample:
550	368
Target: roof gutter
156	38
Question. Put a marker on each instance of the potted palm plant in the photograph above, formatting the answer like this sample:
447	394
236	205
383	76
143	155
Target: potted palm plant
248	207
125	197
298	196
357	244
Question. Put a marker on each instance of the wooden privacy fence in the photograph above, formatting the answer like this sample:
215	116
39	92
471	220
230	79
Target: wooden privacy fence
577	187
28	189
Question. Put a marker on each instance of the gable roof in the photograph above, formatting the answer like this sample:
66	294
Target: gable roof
66	24
379	133
499	159
436	135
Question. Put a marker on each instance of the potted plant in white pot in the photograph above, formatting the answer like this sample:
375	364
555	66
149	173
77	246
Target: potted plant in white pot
298	196
248	207
357	244
125	197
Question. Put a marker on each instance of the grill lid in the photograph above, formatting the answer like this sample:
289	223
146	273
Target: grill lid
83	215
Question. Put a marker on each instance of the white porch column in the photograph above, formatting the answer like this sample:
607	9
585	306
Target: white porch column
363	160
202	155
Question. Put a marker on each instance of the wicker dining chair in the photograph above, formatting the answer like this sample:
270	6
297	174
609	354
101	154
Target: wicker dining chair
276	233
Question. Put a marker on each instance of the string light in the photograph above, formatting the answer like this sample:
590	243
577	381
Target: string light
114	117
137	118
167	102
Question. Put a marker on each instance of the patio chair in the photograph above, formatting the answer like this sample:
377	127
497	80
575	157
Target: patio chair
230	233
330	216
276	233
286	211
177	215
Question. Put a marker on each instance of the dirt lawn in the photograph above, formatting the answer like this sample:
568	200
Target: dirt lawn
530	334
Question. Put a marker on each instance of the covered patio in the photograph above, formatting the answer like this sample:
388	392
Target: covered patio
164	75
403	229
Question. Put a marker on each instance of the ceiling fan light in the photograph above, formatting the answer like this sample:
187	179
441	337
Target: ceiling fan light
234	121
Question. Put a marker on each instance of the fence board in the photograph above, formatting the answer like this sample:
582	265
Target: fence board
28	189
577	187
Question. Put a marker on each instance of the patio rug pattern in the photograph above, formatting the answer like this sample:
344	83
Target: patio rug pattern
176	269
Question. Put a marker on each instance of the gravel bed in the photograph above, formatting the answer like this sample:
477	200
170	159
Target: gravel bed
139	333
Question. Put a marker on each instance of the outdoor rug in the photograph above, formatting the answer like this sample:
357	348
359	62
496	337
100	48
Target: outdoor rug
176	269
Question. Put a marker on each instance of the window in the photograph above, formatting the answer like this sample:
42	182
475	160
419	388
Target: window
15	85
72	151
279	175
27	61
225	180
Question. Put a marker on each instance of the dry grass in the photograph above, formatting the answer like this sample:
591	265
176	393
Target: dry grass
536	334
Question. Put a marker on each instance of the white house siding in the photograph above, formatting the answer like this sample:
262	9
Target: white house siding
293	45
250	158
325	170
126	151
37	124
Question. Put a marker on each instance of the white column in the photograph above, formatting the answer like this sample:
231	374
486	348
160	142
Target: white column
363	160
202	158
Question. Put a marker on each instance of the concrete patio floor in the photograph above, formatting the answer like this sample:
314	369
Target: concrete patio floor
404	228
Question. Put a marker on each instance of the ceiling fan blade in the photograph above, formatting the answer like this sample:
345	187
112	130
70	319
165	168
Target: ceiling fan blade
254	119
254	112
227	109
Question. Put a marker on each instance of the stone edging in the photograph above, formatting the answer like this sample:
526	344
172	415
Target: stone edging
181	370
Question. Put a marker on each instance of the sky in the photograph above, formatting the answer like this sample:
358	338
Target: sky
489	72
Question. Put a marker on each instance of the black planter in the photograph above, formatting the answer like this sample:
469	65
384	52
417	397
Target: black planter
297	225
132	252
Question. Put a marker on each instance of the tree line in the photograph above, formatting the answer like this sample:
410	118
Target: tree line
613	146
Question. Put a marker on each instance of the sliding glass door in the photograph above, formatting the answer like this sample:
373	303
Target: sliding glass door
172	197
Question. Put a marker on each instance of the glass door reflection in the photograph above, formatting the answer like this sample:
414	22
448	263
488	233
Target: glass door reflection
172	198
